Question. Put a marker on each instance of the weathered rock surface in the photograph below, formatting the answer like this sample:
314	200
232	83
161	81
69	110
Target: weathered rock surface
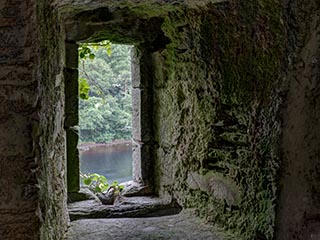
32	143
181	226
216	185
82	195
123	207
132	188
108	197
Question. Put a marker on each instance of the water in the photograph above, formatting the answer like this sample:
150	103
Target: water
114	162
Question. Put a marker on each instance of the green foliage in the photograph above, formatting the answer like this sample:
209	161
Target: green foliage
87	50
99	183
96	182
118	188
105	85
84	89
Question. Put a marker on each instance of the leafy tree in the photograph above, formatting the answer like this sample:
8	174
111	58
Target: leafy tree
105	88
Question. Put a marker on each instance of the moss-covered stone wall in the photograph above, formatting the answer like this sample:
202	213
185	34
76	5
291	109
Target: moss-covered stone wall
32	154
216	109
18	101
219	86
49	133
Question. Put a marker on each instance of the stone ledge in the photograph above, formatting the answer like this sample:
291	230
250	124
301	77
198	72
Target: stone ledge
184	225
123	207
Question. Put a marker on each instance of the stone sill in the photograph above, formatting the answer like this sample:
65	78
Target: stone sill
124	207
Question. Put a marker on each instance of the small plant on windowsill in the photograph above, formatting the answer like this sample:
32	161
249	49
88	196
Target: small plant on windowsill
95	182
99	185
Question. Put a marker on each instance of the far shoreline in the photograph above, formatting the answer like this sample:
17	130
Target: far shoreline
87	146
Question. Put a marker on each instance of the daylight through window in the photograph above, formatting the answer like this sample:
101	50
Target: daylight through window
105	110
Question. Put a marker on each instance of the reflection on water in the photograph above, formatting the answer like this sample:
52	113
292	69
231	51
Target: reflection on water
114	162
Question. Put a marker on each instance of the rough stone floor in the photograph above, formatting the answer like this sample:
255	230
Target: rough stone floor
181	226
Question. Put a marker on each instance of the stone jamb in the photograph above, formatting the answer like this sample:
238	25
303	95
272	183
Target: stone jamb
72	116
142	118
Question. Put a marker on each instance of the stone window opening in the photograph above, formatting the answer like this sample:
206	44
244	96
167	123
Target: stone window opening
105	111
140	184
120	27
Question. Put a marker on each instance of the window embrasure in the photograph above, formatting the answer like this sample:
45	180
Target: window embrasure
141	118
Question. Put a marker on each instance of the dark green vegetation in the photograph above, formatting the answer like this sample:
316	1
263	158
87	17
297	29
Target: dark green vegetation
105	93
98	183
228	110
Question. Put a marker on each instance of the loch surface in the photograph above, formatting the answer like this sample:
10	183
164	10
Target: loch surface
114	162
